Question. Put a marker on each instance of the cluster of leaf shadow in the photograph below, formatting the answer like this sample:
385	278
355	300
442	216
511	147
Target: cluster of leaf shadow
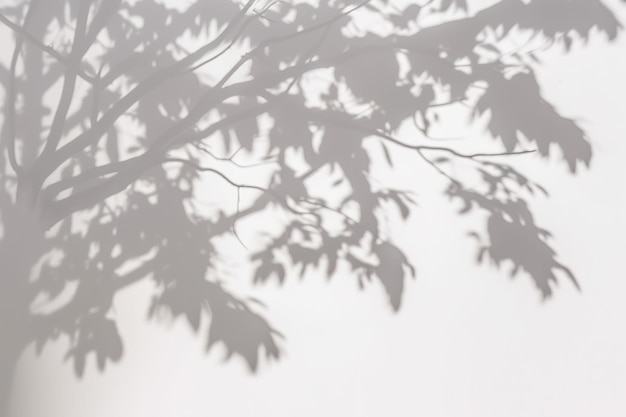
108	206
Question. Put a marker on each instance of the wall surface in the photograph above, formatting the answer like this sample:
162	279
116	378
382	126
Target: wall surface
468	341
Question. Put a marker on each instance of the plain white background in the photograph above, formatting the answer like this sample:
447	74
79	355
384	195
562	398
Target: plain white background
468	341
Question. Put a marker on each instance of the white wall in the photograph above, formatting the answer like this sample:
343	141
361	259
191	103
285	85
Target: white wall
468	340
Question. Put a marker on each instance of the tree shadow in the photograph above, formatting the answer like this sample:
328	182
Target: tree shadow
116	112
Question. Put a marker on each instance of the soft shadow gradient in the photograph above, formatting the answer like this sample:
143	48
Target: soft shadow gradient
116	112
